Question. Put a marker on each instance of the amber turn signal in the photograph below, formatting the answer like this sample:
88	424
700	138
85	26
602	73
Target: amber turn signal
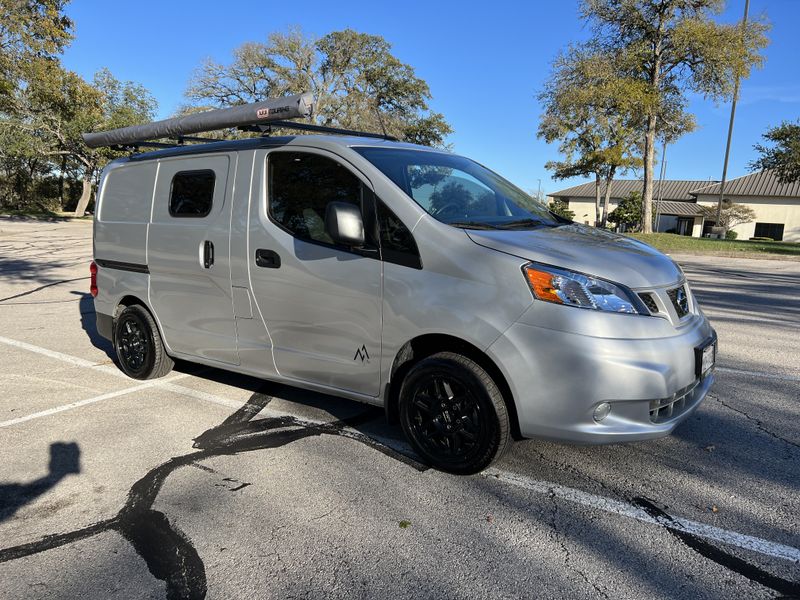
542	285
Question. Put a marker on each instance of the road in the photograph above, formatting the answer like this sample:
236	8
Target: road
212	484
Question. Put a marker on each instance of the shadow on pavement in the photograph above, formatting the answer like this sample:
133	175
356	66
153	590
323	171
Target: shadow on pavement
89	324
64	460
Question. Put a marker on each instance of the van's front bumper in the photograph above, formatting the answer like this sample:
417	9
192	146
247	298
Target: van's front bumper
558	378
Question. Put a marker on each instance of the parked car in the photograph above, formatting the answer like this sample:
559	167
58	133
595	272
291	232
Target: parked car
400	276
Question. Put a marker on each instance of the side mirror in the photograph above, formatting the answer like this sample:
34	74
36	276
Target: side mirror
344	224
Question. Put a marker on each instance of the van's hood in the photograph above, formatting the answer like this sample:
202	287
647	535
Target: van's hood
588	250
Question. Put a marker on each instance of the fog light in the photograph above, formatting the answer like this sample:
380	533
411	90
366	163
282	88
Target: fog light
601	412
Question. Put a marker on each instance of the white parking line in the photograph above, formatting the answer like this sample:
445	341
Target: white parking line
108	370
758	374
624	509
100	398
73	360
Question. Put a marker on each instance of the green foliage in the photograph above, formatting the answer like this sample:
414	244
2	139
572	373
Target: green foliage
673	48
48	115
731	215
592	110
356	80
561	208
628	212
783	156
731	235
29	30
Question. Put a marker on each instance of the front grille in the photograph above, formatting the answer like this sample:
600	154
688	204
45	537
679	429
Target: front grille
649	302
668	408
680	300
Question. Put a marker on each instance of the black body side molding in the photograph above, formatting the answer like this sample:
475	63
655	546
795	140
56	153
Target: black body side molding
121	266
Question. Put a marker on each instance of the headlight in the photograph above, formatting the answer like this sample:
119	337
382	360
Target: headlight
575	289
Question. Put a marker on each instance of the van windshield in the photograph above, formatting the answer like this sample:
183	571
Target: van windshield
459	191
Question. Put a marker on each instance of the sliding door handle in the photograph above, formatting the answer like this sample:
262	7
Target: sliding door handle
208	254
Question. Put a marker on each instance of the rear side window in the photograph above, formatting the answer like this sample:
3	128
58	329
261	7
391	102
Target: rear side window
301	186
191	193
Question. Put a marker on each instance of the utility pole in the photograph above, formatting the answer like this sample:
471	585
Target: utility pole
730	125
661	183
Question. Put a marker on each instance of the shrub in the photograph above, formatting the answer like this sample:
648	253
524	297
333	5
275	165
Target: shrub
731	235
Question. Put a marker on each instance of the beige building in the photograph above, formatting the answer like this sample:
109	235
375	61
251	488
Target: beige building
676	204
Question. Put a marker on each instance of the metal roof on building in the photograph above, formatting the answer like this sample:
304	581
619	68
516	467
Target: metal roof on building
762	183
681	209
673	189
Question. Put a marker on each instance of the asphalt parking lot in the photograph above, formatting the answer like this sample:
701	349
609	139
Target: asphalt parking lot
209	484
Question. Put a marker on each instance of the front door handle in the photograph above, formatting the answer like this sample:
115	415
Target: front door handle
268	259
208	254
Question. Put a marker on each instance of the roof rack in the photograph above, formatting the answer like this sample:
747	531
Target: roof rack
267	130
179	141
260	117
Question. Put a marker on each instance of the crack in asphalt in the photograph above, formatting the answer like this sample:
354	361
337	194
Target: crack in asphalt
758	423
168	552
40	288
582	475
560	539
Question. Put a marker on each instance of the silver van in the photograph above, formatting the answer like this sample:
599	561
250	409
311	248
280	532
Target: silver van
400	276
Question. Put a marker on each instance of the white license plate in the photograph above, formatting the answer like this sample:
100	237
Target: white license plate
707	359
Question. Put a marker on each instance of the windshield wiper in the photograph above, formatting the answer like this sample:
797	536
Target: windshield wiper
524	223
473	225
560	219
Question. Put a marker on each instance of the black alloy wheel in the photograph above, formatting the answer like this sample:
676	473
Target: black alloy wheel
137	342
453	413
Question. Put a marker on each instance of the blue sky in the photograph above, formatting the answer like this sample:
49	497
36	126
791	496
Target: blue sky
484	62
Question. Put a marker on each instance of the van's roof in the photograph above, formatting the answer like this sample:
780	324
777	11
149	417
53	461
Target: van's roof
314	141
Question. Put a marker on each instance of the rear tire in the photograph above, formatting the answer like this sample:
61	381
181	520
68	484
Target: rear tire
453	414
137	342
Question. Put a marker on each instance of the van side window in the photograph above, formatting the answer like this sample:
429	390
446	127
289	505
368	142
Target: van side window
191	193
301	185
397	243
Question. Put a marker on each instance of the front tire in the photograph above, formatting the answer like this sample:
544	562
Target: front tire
453	414
137	342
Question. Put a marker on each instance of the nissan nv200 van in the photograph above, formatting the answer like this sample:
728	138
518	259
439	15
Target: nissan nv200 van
401	276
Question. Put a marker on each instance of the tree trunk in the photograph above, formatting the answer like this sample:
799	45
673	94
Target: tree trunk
61	180
596	199
607	199
86	194
649	159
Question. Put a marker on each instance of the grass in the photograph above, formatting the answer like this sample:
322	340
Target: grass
681	244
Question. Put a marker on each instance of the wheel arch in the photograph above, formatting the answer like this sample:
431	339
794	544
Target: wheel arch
130	300
426	345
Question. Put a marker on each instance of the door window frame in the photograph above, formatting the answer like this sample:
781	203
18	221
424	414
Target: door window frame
178	215
368	209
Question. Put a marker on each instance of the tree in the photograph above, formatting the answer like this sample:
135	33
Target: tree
57	105
561	208
591	109
673	47
628	212
355	79
29	30
730	216
784	156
